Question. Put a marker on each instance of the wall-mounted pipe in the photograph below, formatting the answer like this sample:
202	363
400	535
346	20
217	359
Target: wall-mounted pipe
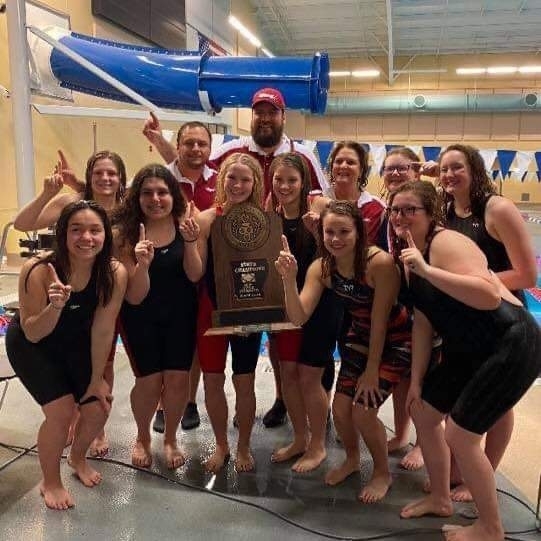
184	79
433	103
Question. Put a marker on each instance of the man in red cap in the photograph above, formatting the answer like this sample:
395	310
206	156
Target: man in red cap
266	141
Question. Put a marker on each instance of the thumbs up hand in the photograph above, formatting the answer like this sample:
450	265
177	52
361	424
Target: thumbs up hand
57	292
144	249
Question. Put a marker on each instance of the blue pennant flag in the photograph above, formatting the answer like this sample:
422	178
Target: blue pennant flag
228	137
538	162
323	150
506	157
431	153
495	174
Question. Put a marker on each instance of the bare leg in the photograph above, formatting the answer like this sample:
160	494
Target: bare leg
478	474
144	398
349	436
316	404
51	441
375	437
90	423
428	422
100	446
291	391
245	411
216	404
174	399
195	376
275	362
413	459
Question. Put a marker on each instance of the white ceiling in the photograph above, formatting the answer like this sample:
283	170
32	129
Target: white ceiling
399	28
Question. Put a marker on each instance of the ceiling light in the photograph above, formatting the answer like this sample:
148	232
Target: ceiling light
365	73
235	23
530	69
501	69
339	73
470	71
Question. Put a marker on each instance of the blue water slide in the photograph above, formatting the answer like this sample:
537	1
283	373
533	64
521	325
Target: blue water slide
186	80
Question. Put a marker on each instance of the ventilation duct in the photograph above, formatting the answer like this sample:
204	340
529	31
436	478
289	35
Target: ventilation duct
436	103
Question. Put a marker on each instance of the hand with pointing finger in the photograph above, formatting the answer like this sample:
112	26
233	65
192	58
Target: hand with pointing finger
189	228
57	292
286	264
144	249
69	178
152	129
412	258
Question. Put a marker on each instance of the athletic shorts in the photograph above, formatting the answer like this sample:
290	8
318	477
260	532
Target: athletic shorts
47	374
477	392
212	350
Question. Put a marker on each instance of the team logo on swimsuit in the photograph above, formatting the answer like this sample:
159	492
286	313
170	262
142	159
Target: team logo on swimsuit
246	227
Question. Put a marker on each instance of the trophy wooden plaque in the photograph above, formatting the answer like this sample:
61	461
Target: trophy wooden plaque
249	292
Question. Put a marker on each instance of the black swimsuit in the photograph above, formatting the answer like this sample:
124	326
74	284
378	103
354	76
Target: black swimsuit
489	357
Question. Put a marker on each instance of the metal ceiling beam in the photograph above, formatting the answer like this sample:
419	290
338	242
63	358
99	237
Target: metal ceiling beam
390	49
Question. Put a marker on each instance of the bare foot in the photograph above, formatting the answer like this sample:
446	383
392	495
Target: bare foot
293	450
86	474
100	446
413	460
461	493
337	475
427	487
427	506
396	444
244	461
174	455
56	497
141	455
217	460
475	532
376	489
310	460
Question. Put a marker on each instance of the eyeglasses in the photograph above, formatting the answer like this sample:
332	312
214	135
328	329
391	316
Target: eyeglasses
405	211
400	169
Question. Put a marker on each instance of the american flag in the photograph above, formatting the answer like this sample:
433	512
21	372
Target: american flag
207	45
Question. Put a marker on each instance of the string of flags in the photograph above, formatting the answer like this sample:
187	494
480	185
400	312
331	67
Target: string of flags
518	165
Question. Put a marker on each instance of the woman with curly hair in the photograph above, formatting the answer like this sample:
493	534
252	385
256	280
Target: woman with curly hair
472	207
160	309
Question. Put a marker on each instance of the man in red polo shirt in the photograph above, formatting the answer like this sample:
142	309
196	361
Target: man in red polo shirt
198	183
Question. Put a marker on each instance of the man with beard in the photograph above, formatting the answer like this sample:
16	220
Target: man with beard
266	141
198	184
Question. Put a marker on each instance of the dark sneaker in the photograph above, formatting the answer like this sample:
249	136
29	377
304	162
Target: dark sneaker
276	416
190	419
159	422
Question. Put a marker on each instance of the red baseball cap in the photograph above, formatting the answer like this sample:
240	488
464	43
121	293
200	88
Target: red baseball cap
269	95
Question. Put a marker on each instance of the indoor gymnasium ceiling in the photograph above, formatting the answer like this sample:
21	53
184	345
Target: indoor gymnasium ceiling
399	28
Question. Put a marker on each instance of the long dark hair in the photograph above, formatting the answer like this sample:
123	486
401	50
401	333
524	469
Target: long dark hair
120	167
362	154
129	215
430	201
295	160
344	208
481	184
102	268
